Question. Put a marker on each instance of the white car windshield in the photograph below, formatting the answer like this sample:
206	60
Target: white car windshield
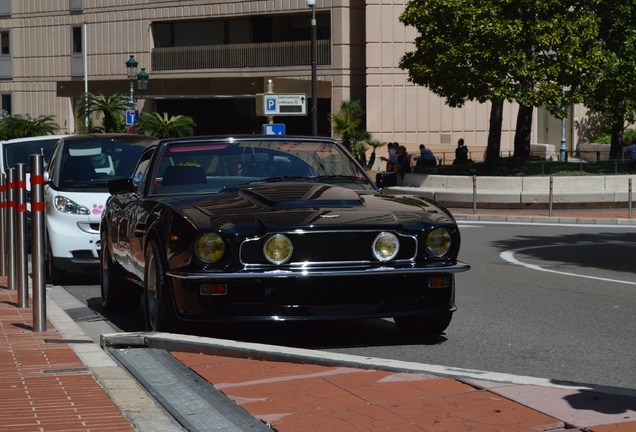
94	163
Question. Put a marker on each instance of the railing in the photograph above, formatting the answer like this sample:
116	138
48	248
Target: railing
274	54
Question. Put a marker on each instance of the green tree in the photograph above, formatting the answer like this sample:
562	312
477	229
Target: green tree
109	108
522	51
348	125
25	125
165	126
612	89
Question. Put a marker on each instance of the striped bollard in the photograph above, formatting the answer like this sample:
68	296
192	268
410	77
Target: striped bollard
21	236
11	244
3	225
38	270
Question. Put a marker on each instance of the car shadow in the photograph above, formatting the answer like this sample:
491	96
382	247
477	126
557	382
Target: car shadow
296	334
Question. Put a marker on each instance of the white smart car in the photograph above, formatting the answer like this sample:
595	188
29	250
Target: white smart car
75	191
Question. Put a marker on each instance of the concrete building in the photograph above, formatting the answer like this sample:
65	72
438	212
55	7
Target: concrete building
209	58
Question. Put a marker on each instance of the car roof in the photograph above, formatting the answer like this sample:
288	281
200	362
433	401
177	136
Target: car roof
249	137
33	138
122	137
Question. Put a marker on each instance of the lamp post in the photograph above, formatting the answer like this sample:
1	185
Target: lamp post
314	55
141	77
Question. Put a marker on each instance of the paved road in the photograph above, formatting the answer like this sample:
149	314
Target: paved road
547	301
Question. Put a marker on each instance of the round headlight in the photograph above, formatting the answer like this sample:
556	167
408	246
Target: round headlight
209	247
385	246
438	242
278	249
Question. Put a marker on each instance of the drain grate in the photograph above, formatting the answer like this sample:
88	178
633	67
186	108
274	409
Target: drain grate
67	370
67	341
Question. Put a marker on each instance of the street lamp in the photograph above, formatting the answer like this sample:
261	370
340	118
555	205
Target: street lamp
314	55
141	77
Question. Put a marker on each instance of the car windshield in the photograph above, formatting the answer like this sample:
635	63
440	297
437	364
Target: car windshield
20	152
210	166
91	164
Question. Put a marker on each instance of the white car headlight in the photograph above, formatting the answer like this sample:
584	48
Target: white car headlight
68	206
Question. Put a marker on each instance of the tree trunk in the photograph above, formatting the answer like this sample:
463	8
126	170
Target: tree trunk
616	148
522	134
494	133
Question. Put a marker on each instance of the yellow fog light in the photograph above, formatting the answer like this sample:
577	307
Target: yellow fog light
385	246
209	247
438	242
278	249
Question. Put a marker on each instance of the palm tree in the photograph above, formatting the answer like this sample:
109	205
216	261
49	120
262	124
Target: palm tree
347	122
24	125
164	126
110	107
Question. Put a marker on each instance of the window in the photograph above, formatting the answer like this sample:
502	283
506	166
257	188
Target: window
6	103
5	7
77	40
4	43
77	49
75	5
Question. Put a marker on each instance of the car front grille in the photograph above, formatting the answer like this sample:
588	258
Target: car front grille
328	247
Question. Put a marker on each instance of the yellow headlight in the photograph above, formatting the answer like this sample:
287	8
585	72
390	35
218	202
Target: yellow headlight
209	247
438	242
386	246
278	249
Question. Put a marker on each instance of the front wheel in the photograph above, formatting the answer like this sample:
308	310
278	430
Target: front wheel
425	325
159	310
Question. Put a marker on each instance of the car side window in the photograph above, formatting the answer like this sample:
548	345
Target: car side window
140	170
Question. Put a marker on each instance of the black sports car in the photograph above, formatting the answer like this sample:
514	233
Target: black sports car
272	228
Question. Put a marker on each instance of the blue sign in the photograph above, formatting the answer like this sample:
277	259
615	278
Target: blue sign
270	104
274	129
132	117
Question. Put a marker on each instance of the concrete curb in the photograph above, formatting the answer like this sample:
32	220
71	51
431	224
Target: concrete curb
256	351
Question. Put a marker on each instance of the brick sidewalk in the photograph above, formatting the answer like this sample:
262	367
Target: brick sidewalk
45	387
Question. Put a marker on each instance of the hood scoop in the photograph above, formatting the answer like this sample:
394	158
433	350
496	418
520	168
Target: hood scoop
285	195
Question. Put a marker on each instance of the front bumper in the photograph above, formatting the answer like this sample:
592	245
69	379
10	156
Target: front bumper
316	294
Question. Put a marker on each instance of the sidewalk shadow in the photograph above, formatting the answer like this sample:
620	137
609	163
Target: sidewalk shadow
592	400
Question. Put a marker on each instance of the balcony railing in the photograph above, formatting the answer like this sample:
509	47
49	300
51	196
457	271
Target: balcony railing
248	55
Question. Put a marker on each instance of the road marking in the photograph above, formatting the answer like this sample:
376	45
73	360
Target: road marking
467	224
509	256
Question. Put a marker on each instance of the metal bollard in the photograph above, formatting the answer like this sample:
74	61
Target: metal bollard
3	225
629	197
38	270
11	244
21	236
551	196
474	194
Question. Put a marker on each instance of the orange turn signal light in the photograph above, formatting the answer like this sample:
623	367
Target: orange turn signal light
438	282
213	289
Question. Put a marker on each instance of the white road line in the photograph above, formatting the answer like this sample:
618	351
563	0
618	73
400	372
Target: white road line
509	256
471	224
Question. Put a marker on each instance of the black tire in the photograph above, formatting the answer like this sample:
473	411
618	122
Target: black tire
54	275
159	312
425	325
117	293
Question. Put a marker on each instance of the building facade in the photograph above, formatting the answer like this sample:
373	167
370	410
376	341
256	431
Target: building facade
210	58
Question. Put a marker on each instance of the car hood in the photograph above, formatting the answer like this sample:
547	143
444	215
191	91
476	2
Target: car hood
293	204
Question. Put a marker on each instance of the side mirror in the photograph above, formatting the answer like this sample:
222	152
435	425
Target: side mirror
45	176
385	179
120	186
